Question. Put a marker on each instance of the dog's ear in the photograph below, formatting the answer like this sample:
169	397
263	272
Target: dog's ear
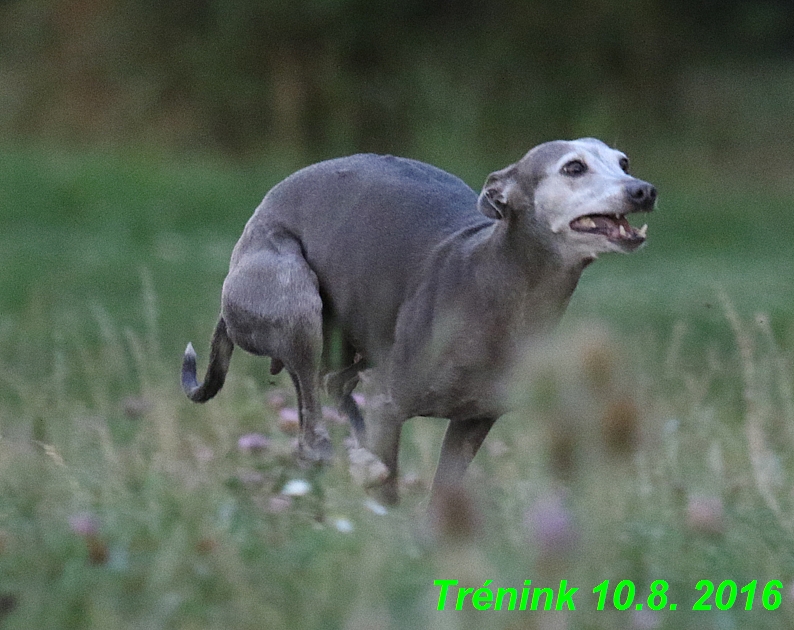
494	200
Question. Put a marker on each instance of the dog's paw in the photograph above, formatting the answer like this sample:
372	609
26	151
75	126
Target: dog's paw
317	450
366	469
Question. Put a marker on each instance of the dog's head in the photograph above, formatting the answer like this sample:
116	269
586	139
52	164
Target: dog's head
577	192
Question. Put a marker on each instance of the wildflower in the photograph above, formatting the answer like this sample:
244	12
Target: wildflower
704	514
620	425
289	420
276	400
496	447
253	443
206	546
296	488
376	508
84	524
203	454
552	526
598	361
646	620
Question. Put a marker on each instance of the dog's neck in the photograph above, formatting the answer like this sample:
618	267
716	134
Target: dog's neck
548	278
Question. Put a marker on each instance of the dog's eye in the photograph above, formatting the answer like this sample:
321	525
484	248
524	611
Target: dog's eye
574	168
624	164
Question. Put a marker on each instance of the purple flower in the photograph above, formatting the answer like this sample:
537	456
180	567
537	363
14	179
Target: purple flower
645	620
332	415
253	443
84	524
276	400
551	524
289	420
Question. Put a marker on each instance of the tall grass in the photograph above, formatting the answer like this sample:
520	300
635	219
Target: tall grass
138	509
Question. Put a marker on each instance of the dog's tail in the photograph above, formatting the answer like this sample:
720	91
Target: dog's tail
220	355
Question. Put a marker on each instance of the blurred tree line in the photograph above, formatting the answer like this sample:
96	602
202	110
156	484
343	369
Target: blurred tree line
321	77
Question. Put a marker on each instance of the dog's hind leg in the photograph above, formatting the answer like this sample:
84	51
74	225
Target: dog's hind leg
314	442
272	307
299	350
349	407
340	386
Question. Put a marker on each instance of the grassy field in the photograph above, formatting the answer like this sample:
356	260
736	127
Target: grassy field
652	440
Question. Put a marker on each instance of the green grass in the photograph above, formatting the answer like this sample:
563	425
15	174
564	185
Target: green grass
656	430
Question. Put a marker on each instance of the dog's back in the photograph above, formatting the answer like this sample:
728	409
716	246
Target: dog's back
366	225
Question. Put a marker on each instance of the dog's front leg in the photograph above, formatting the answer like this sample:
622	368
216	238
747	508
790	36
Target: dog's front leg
384	425
461	443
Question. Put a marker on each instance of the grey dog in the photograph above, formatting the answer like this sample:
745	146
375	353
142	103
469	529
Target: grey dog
393	271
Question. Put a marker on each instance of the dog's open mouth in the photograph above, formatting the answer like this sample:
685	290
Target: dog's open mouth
615	227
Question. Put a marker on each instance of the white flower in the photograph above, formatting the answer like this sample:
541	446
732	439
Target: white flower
296	488
375	507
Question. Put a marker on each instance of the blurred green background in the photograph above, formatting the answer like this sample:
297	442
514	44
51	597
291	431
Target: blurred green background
324	77
137	137
142	134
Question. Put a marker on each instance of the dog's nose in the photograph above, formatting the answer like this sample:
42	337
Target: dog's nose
641	193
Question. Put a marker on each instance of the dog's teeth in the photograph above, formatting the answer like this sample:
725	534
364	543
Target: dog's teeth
587	222
643	230
622	231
